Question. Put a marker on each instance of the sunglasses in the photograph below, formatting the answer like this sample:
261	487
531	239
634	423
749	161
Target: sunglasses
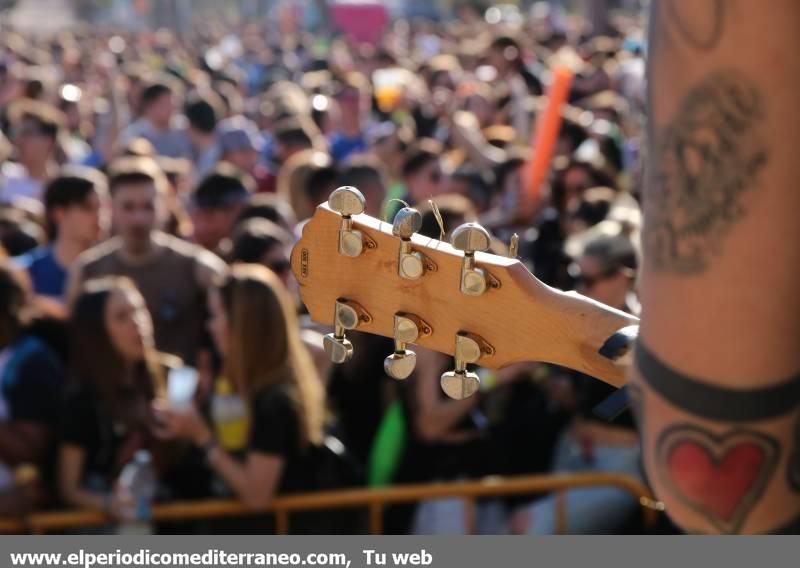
589	282
27	132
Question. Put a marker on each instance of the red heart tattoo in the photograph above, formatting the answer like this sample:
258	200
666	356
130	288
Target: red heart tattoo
719	476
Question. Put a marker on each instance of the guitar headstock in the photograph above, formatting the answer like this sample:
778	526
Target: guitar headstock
358	272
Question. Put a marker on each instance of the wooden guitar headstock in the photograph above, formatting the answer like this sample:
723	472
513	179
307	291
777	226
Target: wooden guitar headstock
357	272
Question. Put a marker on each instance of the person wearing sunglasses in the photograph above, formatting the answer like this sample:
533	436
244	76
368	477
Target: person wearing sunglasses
605	271
259	241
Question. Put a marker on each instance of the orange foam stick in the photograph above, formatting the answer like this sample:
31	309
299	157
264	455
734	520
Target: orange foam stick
548	124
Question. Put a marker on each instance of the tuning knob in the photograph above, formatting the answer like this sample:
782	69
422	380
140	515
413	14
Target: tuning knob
410	264
401	363
348	201
460	383
338	349
347	315
470	238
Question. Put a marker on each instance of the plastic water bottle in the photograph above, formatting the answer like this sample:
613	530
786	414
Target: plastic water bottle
139	478
229	414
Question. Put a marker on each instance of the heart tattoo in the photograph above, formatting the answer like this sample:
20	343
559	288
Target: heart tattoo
719	476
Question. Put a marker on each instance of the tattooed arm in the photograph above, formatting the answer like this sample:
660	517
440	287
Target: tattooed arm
717	374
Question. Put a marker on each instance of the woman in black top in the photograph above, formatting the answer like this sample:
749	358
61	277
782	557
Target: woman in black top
255	328
115	373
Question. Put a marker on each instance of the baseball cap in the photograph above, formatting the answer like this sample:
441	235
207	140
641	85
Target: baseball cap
239	133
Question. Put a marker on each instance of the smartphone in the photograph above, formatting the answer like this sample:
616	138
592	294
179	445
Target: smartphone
181	386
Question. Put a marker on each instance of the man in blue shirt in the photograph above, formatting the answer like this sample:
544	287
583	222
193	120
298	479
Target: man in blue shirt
75	206
353	101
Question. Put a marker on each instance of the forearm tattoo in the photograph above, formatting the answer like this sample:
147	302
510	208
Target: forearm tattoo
702	33
703	162
720	475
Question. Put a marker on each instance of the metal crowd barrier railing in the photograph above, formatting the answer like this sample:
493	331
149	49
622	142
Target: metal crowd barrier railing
375	500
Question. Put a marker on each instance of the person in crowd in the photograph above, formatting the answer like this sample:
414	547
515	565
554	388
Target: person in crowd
320	184
352	101
474	184
202	120
300	119
448	439
35	127
389	143
422	171
293	135
75	145
172	275
454	210
19	232
240	144
76	210
259	241
216	204
301	181
272	207
606	272
506	55
114	373
366	173
156	123
178	172
31	382
254	326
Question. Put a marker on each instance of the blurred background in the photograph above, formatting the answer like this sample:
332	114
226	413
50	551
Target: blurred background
158	161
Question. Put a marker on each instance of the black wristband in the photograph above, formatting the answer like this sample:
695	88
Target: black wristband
702	398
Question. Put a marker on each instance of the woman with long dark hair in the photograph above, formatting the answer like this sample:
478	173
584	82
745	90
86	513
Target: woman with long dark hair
254	326
115	374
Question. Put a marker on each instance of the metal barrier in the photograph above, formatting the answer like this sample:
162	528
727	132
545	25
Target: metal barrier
375	500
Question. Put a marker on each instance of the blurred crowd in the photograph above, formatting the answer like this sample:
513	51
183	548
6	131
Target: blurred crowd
151	188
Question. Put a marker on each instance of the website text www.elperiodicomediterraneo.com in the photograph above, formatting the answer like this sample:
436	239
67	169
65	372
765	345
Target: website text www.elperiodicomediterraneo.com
214	557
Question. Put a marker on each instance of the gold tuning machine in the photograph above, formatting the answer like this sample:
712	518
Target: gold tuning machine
407	329
410	264
470	238
348	201
347	315
460	383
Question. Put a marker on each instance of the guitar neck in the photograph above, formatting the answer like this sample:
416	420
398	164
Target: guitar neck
521	318
585	327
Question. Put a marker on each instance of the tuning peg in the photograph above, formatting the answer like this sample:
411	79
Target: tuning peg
513	246
348	201
410	264
407	328
471	237
347	315
460	383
